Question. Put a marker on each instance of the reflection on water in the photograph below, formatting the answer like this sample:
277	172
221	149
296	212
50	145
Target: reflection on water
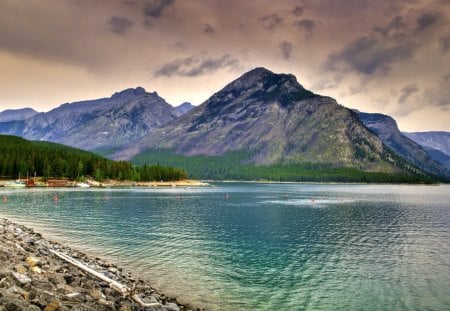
263	246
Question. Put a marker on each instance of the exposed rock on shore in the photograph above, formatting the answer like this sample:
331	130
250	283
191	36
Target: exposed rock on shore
33	278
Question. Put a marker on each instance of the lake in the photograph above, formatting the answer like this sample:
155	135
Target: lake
256	246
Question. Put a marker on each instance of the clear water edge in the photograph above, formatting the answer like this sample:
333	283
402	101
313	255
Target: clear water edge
263	246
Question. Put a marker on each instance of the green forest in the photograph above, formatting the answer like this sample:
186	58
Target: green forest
231	166
50	160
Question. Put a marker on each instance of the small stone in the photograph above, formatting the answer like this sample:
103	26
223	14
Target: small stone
105	302
36	270
112	270
96	294
20	269
172	307
21	292
21	278
52	306
32	261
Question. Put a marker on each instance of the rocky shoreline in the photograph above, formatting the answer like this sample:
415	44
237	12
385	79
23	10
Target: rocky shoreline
32	277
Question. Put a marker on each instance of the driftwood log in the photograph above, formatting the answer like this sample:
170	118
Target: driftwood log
124	290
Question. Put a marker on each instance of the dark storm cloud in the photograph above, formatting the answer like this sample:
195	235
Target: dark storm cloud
270	22
286	49
119	24
208	29
195	66
426	20
306	25
444	43
155	8
369	55
407	91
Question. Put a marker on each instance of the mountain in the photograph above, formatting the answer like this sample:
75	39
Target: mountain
17	114
265	119
96	124
183	108
386	128
432	140
439	156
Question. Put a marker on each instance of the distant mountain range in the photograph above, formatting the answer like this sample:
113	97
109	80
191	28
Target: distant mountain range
386	128
260	121
17	114
97	124
437	144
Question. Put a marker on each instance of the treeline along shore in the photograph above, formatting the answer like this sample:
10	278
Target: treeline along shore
54	161
34	277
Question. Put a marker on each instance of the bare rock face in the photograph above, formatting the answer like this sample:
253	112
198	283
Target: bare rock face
276	120
96	124
386	128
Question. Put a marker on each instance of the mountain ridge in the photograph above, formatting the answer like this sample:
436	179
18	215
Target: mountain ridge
17	114
98	123
438	140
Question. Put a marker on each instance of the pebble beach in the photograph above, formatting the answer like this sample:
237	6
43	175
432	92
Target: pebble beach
32	278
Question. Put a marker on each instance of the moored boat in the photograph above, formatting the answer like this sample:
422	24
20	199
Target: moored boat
16	184
83	185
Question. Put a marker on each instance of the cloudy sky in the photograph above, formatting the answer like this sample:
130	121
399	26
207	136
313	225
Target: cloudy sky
373	55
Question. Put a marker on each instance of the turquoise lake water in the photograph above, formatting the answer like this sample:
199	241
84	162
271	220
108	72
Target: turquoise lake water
251	246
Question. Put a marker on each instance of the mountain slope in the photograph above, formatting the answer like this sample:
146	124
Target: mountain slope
434	140
17	114
96	124
439	156
273	120
386	128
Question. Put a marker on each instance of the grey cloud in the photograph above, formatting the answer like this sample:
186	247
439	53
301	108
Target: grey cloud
286	49
155	8
440	95
369	55
395	27
306	25
444	43
298	11
270	22
119	24
406	92
208	29
425	21
195	66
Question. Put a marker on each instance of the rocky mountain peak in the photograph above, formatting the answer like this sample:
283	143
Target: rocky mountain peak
383	125
129	93
264	80
183	108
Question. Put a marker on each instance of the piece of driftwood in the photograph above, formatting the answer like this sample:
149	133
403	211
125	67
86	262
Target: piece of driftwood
124	290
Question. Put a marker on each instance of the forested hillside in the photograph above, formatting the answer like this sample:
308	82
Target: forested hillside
50	160
232	166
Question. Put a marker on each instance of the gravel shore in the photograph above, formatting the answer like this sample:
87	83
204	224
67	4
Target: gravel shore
32	277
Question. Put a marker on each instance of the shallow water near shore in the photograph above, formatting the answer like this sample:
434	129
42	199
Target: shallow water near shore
244	246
